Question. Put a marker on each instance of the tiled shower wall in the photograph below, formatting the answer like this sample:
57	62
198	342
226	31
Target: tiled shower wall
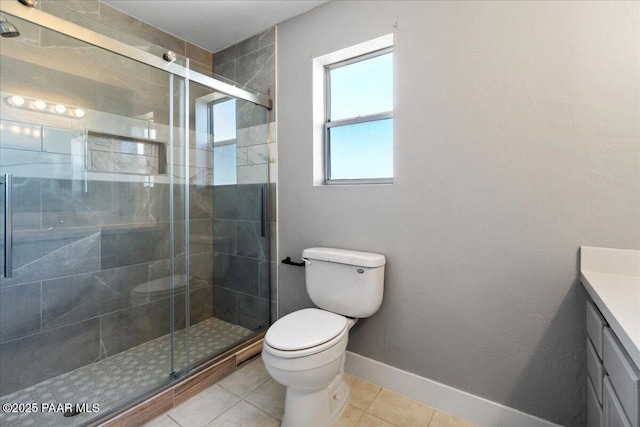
81	247
251	62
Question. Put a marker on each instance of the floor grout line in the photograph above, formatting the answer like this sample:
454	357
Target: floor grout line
431	417
264	412
227	410
174	420
374	399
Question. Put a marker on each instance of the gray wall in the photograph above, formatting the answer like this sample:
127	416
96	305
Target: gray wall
516	141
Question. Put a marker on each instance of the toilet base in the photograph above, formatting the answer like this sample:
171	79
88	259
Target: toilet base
315	408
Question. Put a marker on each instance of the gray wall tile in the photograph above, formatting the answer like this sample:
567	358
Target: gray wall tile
19	311
27	204
133	202
200	202
201	266
237	202
201	302
225	304
33	359
268	37
243	275
86	7
249	45
124	329
225	233
248	114
250	242
140	29
49	254
257	69
129	245
253	312
76	298
159	203
199	55
227	70
67	203
251	63
264	278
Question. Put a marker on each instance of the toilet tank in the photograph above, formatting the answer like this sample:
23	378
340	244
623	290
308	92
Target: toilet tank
346	282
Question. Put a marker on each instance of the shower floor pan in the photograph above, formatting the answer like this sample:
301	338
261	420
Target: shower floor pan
119	378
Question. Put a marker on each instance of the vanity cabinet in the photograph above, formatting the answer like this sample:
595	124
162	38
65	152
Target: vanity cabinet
613	389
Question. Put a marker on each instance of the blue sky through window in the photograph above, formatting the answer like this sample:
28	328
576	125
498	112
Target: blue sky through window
362	150
224	156
224	120
362	88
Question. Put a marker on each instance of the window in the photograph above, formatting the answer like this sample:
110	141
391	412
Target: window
358	130
224	142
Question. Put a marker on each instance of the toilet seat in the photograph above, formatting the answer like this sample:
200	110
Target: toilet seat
306	332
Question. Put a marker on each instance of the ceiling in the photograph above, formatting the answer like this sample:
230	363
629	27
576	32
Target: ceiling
214	24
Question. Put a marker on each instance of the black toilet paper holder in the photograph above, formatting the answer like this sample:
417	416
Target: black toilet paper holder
288	261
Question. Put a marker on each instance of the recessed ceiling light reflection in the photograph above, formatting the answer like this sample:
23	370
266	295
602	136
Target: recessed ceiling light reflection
48	107
17	100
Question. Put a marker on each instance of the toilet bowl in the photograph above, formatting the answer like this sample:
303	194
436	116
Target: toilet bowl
305	350
311	367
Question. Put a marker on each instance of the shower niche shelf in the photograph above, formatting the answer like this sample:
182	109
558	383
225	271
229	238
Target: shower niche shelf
108	153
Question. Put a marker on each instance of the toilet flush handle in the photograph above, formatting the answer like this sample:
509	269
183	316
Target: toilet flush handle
306	260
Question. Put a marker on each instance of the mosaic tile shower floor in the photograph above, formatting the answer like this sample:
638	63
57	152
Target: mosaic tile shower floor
121	377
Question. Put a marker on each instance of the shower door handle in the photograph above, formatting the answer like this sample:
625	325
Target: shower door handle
263	211
8	226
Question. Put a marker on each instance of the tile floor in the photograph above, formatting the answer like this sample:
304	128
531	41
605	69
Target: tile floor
250	398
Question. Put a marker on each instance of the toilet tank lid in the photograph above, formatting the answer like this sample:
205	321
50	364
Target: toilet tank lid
345	256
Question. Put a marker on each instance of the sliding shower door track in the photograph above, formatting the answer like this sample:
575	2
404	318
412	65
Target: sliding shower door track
46	20
202	376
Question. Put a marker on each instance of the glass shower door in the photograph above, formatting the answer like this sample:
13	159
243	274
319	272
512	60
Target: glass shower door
94	248
228	229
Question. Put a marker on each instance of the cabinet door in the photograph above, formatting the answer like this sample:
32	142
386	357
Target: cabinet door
594	409
595	325
613	413
623	374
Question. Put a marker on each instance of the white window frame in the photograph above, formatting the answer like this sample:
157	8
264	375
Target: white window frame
328	123
319	113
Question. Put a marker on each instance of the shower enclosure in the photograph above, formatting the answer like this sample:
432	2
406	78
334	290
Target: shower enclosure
133	244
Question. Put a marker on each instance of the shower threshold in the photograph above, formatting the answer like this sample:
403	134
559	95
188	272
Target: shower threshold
118	379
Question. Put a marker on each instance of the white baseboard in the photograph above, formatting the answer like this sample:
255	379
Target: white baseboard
447	399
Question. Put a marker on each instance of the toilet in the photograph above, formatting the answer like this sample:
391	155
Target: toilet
305	350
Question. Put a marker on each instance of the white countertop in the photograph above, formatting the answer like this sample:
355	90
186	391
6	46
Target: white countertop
612	279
